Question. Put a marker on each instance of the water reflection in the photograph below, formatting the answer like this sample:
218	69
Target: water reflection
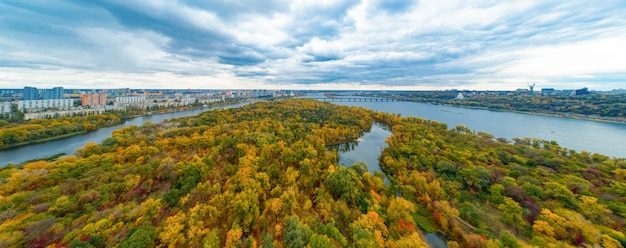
345	147
436	240
366	149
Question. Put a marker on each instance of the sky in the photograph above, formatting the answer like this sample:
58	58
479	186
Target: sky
313	44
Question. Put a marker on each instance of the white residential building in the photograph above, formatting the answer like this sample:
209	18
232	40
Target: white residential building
124	102
45	104
130	99
62	113
188	100
5	107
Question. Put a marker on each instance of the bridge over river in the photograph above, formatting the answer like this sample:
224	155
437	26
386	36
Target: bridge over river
354	99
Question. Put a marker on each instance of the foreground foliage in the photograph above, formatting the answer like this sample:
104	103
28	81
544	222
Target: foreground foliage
262	176
477	189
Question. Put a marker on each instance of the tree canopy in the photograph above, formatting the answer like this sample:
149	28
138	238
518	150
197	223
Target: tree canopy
262	175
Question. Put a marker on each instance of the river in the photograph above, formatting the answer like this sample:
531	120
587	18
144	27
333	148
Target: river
70	144
581	135
366	149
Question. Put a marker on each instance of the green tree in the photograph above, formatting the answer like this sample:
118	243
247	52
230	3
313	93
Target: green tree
297	235
344	184
143	236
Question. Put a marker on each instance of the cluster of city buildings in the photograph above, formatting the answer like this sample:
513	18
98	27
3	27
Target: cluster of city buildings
44	103
555	92
56	102
531	91
43	99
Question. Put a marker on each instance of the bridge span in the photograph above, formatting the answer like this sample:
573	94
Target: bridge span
355	99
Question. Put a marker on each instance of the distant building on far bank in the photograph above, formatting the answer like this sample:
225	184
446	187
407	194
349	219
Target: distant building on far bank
94	99
30	93
45	104
62	113
5	108
124	102
54	93
583	91
548	91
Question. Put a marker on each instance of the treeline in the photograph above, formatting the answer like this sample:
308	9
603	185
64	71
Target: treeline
601	105
12	134
15	132
486	192
262	176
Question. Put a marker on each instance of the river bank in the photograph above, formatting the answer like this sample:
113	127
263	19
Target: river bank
565	115
179	109
44	140
579	134
122	118
68	145
621	120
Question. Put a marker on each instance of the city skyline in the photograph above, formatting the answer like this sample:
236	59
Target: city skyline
360	45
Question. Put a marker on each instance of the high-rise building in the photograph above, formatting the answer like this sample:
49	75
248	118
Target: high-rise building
94	99
58	92
30	93
54	93
47	94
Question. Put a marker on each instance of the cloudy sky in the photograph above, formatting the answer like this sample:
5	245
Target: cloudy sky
313	44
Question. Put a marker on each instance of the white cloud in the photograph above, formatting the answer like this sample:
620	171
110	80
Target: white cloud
600	56
125	50
261	31
388	56
426	44
90	79
321	48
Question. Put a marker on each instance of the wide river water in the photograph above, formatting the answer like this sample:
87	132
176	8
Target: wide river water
581	135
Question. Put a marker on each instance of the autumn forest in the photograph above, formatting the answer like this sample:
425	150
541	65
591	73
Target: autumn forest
263	175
